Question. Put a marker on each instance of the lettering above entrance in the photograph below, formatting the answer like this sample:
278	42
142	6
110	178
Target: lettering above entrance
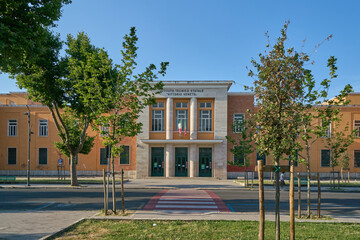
182	92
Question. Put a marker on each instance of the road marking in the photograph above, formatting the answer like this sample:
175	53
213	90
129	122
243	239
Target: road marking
188	200
231	209
185	206
44	206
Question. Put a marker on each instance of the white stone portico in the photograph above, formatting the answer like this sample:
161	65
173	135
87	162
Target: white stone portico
193	92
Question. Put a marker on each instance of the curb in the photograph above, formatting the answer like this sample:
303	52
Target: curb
50	236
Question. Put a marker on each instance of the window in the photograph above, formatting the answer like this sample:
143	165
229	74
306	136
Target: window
239	156
158	105
103	160
12	128
43	128
205	117
325	158
11	156
238	119
104	131
43	156
157	117
181	116
125	155
357	158
327	133
357	126
261	157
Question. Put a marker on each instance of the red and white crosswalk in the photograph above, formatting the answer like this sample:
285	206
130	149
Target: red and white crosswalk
186	200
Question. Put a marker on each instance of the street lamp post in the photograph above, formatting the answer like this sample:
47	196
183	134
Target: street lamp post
29	140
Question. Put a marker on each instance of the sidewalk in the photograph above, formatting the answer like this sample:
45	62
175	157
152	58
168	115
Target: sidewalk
168	183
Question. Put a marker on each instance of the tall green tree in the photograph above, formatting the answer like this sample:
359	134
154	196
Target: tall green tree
278	88
24	30
124	96
68	83
310	131
336	138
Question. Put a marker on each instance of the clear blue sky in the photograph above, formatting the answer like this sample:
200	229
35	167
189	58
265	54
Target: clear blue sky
215	40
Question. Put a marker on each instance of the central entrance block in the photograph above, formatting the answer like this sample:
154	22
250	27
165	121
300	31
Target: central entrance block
181	162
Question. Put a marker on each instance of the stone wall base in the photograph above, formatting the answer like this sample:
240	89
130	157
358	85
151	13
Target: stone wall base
39	173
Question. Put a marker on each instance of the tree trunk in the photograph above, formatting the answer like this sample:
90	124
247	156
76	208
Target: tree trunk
291	197
74	180
277	203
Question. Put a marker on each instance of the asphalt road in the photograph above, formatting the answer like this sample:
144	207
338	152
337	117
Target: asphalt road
333	203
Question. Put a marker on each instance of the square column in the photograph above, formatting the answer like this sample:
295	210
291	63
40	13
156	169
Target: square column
169	118
194	161
193	118
169	161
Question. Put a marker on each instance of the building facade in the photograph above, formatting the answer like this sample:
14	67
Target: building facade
183	135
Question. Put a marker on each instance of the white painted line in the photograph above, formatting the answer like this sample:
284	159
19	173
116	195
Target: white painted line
190	199
190	202
184	206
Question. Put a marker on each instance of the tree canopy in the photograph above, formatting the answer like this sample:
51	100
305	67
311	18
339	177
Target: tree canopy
25	30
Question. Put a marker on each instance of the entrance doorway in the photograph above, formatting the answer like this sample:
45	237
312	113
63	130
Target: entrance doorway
205	155
157	161
181	162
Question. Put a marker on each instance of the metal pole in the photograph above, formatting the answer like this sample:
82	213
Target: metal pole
28	157
107	183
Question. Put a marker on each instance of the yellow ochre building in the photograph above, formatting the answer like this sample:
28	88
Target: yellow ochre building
183	135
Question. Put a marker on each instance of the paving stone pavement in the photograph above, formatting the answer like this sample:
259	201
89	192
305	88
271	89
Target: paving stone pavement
28	225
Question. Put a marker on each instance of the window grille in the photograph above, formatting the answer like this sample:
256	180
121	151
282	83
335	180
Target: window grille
43	156
125	155
43	128
157	120
357	126
238	119
12	128
325	158
181	119
205	120
103	160
11	156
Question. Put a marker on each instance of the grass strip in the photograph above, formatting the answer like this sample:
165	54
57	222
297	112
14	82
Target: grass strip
146	229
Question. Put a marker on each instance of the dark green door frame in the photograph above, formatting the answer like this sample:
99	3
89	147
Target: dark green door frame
181	162
205	162
157	161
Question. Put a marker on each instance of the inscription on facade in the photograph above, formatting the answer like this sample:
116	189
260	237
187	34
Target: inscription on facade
182	92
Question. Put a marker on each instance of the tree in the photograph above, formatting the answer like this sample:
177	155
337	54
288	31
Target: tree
68	83
278	88
345	160
125	95
24	27
336	140
310	131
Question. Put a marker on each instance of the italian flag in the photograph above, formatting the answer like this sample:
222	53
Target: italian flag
185	128
179	127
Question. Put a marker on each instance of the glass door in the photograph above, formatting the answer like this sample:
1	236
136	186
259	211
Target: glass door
181	162
157	161
205	156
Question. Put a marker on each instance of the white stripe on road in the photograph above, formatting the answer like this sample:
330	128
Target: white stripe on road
184	199
184	206
190	202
